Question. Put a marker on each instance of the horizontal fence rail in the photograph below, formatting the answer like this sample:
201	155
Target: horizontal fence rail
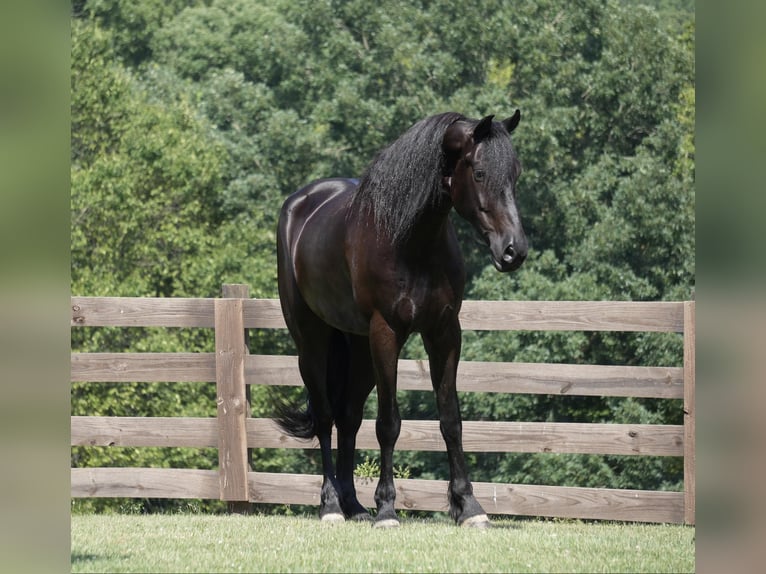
234	433
660	316
430	495
478	436
476	376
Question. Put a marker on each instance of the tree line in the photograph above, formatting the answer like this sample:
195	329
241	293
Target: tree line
193	120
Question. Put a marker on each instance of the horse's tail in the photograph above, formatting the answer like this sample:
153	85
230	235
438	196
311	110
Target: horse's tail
295	420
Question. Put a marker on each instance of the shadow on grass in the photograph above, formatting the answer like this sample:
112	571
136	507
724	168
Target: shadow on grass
496	523
87	558
504	525
79	557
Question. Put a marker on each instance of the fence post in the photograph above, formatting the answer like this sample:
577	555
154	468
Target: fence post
241	291
689	414
230	350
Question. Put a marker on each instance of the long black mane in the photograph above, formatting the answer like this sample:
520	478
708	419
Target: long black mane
405	177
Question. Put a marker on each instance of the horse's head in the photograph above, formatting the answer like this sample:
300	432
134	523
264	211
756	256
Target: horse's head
480	173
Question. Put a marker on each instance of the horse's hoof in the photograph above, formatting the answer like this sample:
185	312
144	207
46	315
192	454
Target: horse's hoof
361	517
478	521
387	523
333	518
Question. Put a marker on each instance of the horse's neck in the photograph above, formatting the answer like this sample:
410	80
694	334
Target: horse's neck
431	228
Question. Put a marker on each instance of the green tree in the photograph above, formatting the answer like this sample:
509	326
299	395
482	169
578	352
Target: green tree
147	220
133	24
608	166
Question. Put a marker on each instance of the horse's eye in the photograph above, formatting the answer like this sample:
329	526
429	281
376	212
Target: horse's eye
478	175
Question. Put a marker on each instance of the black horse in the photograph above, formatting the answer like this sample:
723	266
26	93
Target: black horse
363	265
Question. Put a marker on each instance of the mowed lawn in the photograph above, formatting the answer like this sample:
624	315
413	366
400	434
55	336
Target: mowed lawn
201	543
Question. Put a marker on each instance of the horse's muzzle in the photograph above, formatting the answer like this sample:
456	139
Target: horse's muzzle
512	257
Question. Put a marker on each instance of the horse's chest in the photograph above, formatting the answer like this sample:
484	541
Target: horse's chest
421	305
413	289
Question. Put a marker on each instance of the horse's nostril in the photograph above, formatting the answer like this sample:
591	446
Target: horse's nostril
509	254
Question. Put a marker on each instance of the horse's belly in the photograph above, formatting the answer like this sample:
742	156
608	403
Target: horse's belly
324	287
347	319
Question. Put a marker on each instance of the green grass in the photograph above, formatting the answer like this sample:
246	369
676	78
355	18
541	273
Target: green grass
200	543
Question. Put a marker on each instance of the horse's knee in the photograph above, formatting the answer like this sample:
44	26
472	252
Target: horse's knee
387	429
452	432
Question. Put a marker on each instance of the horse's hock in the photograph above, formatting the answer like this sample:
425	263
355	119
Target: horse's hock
234	433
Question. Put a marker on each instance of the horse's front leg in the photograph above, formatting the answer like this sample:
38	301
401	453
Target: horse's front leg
443	348
385	346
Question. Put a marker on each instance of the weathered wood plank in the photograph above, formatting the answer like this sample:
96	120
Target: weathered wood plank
553	379
498	377
141	312
272	370
478	436
476	315
488	436
241	291
514	499
264	314
689	413
573	315
168	312
143	483
231	400
144	431
431	495
583	503
142	367
473	376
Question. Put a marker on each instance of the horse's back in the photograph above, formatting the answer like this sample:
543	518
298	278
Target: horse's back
307	201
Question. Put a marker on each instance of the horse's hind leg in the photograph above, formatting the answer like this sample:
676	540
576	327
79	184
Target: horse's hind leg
357	384
313	362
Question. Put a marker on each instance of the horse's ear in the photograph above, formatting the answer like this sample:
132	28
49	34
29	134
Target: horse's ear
482	128
511	123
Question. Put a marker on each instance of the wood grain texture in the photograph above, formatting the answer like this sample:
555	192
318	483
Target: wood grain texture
144	483
283	488
144	431
690	417
572	315
496	498
659	316
264	314
500	377
141	312
241	291
142	367
231	401
473	376
488	436
478	436
553	379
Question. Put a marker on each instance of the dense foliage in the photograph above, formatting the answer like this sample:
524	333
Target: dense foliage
193	120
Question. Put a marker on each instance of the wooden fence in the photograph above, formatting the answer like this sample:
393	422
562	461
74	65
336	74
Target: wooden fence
233	432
